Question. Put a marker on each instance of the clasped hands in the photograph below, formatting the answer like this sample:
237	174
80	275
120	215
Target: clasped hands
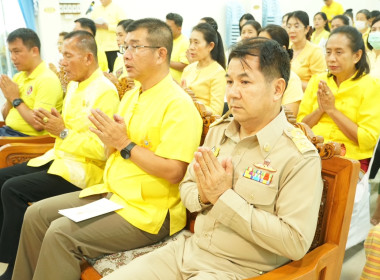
326	99
51	121
9	88
112	133
213	178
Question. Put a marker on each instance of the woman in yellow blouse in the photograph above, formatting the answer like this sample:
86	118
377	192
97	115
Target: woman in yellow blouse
342	105
321	30
204	79
362	24
308	58
374	50
293	94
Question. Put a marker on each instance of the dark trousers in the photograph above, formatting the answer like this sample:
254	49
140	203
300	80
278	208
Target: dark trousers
111	56
19	185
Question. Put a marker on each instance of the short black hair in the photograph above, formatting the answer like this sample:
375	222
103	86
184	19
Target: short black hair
124	23
280	35
356	44
178	20
246	16
159	33
86	41
28	37
375	13
87	23
274	61
343	18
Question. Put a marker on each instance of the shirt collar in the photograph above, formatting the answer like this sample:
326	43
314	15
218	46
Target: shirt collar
96	74
37	71
159	88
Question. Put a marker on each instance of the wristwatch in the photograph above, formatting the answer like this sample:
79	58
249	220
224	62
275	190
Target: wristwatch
126	152
17	102
63	134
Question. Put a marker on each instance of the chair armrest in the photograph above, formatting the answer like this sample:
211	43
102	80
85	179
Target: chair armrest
2	123
304	268
14	153
32	139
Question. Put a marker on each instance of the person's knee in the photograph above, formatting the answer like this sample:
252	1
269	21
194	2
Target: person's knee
9	187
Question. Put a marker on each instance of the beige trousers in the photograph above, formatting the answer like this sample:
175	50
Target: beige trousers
180	260
52	246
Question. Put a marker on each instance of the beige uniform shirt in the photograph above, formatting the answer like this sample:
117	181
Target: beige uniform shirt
256	225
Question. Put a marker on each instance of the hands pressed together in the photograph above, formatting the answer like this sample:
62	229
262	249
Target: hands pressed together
213	178
9	88
326	99
51	121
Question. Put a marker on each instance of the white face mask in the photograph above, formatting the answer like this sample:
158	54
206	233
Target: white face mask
374	40
360	24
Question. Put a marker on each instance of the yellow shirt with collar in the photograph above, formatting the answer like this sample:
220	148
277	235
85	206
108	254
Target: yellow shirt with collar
323	36
310	61
356	99
180	46
333	10
80	157
119	68
102	60
111	14
208	84
41	89
164	120
293	92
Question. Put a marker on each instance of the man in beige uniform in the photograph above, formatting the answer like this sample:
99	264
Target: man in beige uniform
256	183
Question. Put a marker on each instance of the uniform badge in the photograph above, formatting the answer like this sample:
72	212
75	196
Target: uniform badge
262	172
29	91
215	150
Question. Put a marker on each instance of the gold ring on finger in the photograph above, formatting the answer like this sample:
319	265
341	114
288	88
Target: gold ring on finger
45	119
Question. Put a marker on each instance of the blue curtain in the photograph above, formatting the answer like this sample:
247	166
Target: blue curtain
271	12
27	9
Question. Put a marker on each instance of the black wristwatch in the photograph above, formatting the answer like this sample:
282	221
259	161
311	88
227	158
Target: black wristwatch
17	102
126	152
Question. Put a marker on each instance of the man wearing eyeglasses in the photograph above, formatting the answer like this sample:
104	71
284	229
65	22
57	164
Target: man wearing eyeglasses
150	143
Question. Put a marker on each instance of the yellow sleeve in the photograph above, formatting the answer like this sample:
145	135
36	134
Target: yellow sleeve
49	94
293	92
317	62
102	61
309	100
85	143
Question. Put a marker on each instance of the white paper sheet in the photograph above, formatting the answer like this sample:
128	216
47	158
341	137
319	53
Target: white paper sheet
93	209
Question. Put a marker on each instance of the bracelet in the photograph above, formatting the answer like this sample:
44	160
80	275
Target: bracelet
202	203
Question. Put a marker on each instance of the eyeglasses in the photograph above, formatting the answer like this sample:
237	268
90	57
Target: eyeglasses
134	48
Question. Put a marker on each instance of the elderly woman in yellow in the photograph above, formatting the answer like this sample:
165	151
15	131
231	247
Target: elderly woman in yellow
206	76
308	58
293	94
342	105
362	23
374	47
321	30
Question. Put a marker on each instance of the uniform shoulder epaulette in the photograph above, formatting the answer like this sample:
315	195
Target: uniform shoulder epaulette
299	139
226	118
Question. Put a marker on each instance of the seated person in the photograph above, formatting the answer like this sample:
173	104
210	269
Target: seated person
204	79
35	86
374	48
250	29
342	105
293	94
338	21
256	183
142	173
371	268
88	25
78	157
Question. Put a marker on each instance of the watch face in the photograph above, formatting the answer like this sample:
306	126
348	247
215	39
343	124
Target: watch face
63	134
125	153
16	102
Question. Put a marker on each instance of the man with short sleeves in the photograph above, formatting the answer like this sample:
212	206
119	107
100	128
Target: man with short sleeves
256	183
35	86
150	143
178	60
332	9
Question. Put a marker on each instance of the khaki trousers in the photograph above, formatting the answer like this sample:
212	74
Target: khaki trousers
180	260
52	246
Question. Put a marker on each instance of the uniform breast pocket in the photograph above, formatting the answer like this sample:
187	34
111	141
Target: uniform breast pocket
258	194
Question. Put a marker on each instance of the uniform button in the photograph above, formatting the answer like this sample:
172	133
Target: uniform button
266	147
252	196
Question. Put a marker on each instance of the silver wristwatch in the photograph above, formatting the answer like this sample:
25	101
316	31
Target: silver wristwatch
63	134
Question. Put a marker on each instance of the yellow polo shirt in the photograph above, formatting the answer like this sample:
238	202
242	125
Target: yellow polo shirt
80	157
119	68
359	101
164	120
208	85
333	10
310	61
102	60
293	92
111	14
180	46
41	89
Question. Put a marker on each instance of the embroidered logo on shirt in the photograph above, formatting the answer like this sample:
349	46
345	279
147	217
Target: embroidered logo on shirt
29	91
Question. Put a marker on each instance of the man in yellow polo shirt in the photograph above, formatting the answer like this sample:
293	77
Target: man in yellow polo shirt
78	157
106	17
332	9
178	60
35	86
88	25
150	141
